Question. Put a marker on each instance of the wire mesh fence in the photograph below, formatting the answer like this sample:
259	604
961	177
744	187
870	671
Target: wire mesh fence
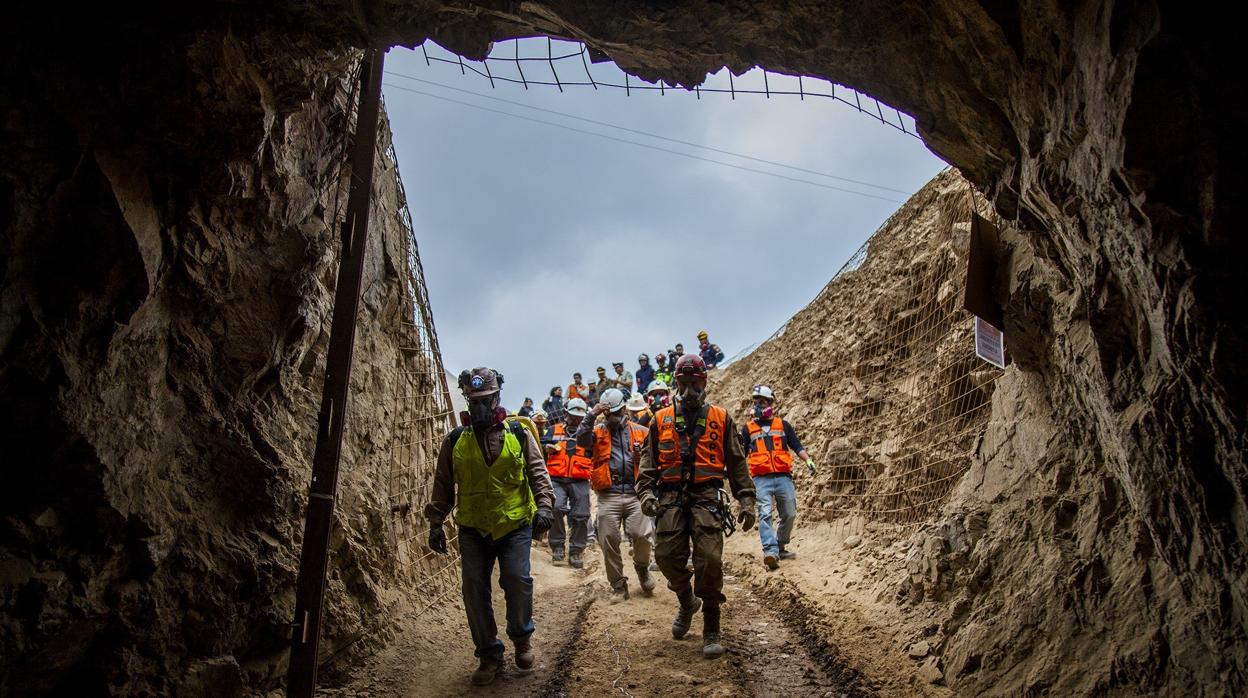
900	412
543	62
423	415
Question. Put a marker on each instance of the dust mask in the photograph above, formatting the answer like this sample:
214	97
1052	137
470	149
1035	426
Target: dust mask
763	412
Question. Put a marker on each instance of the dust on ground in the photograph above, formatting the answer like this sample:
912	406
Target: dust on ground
813	628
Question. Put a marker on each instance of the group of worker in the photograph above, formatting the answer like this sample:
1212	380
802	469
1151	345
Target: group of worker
656	463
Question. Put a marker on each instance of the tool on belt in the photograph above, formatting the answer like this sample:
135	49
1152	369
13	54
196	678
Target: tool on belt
688	448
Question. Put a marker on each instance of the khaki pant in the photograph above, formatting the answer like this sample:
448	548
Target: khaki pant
618	511
677	531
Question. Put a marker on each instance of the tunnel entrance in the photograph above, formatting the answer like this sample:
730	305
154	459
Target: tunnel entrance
1094	549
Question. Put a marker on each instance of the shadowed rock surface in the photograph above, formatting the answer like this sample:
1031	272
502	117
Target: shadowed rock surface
164	289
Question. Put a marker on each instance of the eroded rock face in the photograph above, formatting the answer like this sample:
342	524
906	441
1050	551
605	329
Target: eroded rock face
163	297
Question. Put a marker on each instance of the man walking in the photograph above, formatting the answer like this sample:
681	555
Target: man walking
569	467
493	474
690	451
615	445
767	440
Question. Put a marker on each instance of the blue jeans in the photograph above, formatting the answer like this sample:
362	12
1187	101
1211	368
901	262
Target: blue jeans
478	552
781	488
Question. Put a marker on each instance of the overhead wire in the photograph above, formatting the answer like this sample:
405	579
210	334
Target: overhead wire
648	145
649	134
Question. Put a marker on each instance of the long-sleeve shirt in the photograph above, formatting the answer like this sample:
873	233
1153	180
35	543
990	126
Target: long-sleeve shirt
621	461
711	355
737	470
554	409
645	374
623	381
790	436
442	492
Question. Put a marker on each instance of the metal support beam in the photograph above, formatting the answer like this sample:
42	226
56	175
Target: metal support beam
310	590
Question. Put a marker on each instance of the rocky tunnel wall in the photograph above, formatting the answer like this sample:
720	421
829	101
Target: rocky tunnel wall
1108	132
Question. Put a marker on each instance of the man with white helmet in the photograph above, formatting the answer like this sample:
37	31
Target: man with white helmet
615	446
767	440
638	410
569	467
657	395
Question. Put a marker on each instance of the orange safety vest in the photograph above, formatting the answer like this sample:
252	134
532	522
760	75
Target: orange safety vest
574	391
708	455
767	451
601	477
568	460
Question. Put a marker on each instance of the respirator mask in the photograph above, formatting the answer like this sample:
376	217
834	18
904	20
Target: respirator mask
763	411
483	412
615	420
691	398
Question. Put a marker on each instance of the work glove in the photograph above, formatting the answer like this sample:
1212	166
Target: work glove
437	539
541	523
746	515
810	466
650	506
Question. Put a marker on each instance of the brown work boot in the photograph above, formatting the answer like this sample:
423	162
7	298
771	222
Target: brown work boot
710	632
645	579
487	671
524	653
619	593
771	561
689	605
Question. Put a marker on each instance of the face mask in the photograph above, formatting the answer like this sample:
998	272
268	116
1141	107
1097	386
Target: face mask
615	421
481	412
691	398
763	411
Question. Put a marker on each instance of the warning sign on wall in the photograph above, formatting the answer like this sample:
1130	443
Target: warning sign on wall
989	343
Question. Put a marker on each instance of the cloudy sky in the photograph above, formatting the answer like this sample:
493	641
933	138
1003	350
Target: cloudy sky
548	250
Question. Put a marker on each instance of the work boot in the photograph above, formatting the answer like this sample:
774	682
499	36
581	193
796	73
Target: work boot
710	632
486	671
620	593
556	554
787	554
689	605
654	566
645	579
575	561
524	653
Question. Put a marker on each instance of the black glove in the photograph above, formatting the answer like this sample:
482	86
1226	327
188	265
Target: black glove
437	539
746	515
650	506
541	523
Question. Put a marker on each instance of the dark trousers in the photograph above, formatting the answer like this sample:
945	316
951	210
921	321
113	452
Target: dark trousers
571	502
678	531
478	552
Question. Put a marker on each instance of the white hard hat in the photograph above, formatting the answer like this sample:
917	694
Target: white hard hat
656	386
613	398
636	403
538	415
576	407
764	392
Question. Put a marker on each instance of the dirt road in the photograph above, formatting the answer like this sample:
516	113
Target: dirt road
589	647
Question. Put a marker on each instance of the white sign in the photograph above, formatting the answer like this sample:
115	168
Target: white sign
989	343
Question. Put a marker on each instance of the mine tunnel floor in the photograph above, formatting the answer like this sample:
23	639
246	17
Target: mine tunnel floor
587	646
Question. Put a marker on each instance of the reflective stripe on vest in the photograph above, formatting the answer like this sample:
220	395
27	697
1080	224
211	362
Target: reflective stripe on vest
495	500
708	454
601	478
767	449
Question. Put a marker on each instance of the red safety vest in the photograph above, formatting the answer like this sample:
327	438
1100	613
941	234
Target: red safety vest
601	477
767	451
708	456
568	460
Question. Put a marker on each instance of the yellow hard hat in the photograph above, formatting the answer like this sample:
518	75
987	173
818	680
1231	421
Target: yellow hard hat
702	334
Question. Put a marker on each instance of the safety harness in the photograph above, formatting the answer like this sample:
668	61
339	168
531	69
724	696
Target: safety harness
689	439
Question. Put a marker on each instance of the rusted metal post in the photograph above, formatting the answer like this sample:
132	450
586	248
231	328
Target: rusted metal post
310	589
